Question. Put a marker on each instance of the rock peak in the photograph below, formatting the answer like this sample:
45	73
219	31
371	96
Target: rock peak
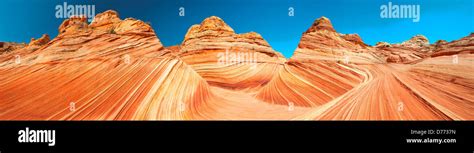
354	38
109	22
212	25
419	36
215	23
134	26
321	23
417	41
105	18
73	24
383	44
40	41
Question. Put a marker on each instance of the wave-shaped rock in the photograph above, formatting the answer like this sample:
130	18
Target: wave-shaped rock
319	70
113	69
227	59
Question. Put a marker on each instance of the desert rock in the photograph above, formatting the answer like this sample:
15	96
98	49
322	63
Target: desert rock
115	69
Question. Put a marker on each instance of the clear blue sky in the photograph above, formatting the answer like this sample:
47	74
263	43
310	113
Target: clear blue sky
440	19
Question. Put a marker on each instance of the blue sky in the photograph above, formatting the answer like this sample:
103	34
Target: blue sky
440	19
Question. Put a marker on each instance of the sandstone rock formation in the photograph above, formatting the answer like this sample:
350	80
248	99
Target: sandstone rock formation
435	87
227	59
6	47
416	41
412	50
382	44
418	48
464	45
319	70
113	69
354	38
322	42
106	21
40	41
88	73
321	24
73	25
106	37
